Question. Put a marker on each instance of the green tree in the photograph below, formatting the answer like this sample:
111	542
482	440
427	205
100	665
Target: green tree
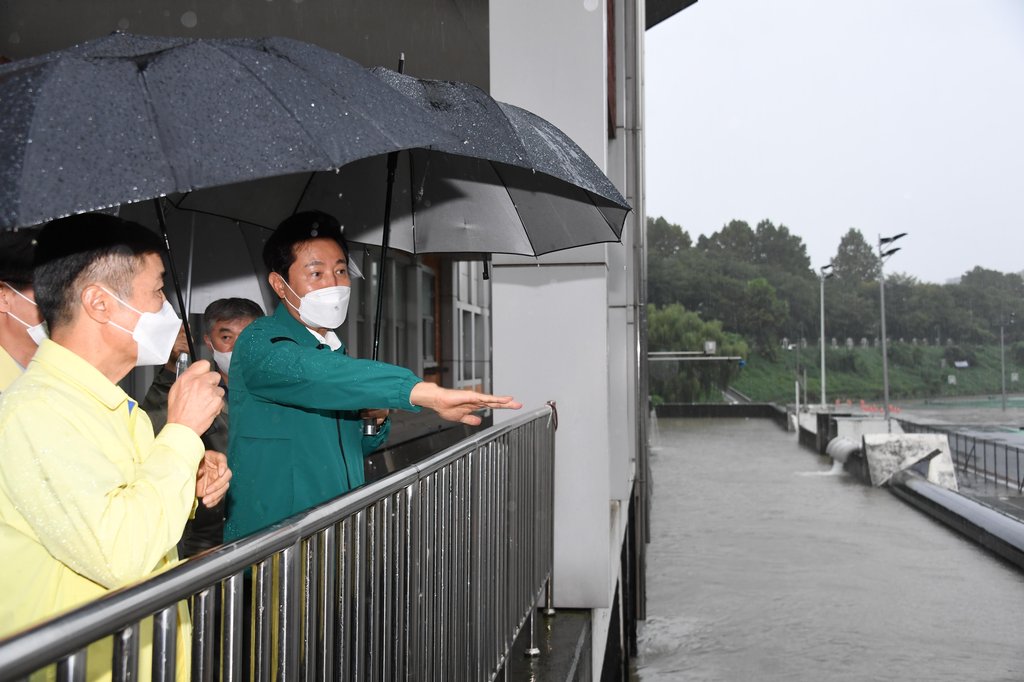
933	313
763	316
673	328
851	310
667	244
855	261
736	240
899	301
988	298
665	239
781	250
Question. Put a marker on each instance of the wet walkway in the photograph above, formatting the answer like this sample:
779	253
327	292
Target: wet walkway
763	567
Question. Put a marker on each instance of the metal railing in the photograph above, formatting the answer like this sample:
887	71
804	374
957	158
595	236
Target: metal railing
428	574
991	460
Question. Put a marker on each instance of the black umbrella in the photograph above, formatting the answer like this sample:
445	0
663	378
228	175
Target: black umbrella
507	181
127	118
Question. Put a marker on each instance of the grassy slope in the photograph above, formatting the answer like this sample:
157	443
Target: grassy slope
914	372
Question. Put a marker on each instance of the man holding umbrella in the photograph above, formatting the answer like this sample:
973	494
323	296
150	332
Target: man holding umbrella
90	500
296	395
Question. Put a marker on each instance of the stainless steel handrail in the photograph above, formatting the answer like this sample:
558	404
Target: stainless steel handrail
432	570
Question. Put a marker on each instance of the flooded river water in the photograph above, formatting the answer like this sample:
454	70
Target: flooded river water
763	566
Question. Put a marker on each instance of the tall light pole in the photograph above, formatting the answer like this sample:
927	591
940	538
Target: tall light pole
1002	349
883	253
825	274
1002	359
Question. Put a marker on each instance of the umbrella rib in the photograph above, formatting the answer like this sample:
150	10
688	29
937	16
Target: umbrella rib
590	196
275	96
504	184
355	112
214	214
154	116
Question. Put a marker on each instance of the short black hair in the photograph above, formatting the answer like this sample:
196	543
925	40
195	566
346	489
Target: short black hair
81	249
16	257
279	251
231	309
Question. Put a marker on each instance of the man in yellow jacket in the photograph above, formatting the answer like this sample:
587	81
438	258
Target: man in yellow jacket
21	327
90	499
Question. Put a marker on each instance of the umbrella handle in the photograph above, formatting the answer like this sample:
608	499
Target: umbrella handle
370	427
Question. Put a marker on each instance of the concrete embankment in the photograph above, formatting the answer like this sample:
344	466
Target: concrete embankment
991	528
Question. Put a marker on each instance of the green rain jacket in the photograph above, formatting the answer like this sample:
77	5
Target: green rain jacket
296	439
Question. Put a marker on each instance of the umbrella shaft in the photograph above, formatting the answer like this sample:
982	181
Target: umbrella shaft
385	238
174	278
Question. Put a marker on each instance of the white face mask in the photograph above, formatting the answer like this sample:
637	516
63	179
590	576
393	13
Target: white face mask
324	308
223	360
37	332
154	333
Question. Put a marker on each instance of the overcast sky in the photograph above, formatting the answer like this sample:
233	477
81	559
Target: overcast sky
885	115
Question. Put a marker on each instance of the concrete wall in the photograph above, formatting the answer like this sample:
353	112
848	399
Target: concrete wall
565	325
855	428
551	314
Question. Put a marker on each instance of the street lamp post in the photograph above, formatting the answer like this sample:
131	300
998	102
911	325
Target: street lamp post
1002	350
823	276
883	253
1002	360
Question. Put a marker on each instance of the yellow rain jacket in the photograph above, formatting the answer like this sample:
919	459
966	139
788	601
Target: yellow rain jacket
89	500
9	370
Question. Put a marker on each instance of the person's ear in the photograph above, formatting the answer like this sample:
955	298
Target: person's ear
206	340
5	298
277	283
97	303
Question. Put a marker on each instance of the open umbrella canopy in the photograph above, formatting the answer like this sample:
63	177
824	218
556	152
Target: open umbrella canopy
504	181
126	118
484	128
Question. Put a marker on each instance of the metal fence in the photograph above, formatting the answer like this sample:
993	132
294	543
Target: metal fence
427	574
990	460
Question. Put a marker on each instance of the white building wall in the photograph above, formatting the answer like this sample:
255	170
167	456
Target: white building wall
564	324
550	315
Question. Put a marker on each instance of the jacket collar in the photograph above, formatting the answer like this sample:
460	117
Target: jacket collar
73	369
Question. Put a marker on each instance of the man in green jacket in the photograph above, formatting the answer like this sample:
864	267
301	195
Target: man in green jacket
296	395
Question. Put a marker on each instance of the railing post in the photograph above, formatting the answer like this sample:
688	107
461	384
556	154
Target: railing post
233	629
1020	479
288	624
326	592
202	636
126	654
532	650
72	668
262	590
165	644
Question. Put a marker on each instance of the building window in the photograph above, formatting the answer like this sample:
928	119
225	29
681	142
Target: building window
473	327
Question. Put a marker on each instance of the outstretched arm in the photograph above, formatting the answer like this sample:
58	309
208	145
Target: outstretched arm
458	405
